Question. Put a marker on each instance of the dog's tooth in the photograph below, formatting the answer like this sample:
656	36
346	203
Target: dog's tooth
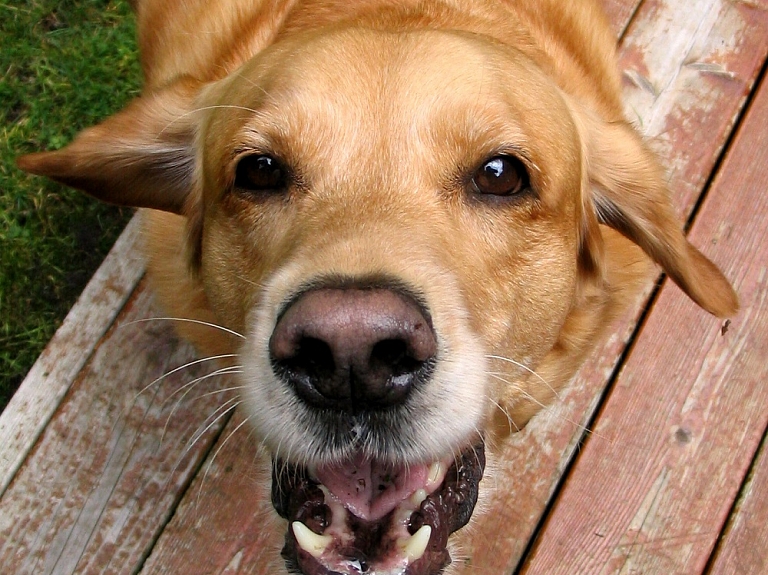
414	547
436	474
310	541
418	497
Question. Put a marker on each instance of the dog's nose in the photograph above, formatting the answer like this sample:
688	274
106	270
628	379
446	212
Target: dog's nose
354	349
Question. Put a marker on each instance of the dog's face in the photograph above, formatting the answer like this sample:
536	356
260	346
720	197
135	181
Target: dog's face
403	226
335	194
369	161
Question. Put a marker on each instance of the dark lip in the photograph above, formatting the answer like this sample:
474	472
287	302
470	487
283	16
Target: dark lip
297	497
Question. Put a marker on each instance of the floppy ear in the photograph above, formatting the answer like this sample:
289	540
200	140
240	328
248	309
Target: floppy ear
142	156
626	191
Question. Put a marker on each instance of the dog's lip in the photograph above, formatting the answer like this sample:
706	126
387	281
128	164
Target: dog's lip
325	537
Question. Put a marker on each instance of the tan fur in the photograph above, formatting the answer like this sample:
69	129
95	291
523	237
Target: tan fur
385	107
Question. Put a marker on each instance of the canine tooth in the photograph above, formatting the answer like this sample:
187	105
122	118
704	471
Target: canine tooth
436	473
415	546
310	541
418	497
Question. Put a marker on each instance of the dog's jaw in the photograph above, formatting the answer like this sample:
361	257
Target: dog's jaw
415	444
406	535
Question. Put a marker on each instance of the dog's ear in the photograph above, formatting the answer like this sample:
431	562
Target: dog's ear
142	156
626	191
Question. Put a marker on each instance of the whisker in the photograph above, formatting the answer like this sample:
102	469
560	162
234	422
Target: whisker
179	368
199	434
224	390
220	371
506	414
185	319
528	369
527	395
215	415
524	393
135	398
249	281
190	386
216	453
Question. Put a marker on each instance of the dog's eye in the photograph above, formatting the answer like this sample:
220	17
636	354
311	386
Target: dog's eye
501	176
259	173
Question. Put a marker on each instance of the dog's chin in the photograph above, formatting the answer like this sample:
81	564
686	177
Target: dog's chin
366	517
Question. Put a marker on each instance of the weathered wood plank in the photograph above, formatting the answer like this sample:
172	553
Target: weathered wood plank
681	62
33	405
743	548
653	487
111	464
620	13
537	456
220	525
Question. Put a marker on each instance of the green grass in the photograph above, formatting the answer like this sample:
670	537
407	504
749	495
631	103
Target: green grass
64	65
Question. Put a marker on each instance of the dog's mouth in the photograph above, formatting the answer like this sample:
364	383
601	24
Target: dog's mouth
365	517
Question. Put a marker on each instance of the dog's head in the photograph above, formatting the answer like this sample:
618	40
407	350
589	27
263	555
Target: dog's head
405	226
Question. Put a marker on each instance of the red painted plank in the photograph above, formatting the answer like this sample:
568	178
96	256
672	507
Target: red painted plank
620	13
682	61
743	548
108	470
226	523
32	406
651	492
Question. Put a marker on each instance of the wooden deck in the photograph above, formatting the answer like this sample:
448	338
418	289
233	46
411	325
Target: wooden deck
655	461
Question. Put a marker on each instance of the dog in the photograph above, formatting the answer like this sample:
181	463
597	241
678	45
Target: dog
421	216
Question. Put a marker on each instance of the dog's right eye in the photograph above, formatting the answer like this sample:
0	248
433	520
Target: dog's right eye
260	173
501	176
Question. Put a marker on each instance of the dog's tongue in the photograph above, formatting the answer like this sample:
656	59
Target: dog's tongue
371	489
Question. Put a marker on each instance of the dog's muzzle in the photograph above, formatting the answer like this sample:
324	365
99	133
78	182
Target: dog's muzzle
354	357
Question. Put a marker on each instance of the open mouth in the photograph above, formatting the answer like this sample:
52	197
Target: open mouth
365	517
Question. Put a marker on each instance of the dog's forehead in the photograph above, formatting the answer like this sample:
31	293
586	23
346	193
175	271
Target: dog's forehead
357	90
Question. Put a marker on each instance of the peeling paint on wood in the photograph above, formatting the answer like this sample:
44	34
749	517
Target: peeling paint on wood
678	72
226	523
108	470
743	548
33	405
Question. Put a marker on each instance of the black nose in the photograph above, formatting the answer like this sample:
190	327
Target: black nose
353	348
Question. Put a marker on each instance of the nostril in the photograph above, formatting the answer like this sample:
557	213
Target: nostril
312	356
392	355
312	370
353	348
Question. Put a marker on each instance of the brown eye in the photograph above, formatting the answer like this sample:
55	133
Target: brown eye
257	173
501	176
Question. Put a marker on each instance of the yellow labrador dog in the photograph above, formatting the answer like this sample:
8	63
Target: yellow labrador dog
420	214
